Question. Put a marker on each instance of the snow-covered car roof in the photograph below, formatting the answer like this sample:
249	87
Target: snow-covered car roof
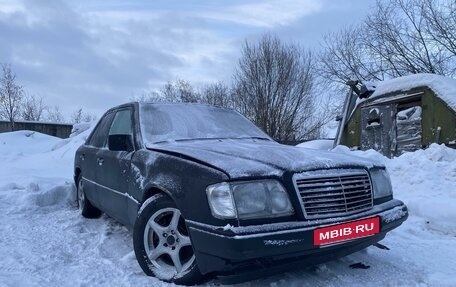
443	87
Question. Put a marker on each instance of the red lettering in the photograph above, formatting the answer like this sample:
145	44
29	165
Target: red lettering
369	227
347	231
324	236
359	228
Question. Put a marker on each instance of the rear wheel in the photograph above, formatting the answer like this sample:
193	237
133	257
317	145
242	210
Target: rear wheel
84	205
162	243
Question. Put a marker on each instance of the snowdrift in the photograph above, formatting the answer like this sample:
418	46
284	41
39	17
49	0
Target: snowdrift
425	180
38	168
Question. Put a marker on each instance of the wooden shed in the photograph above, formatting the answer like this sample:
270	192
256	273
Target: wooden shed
400	115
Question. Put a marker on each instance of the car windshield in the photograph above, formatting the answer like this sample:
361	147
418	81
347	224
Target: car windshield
180	122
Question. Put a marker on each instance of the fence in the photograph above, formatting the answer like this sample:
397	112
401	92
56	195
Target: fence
52	129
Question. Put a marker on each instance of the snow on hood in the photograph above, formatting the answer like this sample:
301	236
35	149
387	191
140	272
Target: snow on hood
322	144
444	87
243	158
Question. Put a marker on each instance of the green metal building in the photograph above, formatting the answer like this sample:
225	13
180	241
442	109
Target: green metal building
400	115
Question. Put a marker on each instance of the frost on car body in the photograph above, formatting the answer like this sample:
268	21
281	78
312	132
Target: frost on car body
207	192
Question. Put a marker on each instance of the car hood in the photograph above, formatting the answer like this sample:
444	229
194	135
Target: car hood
247	158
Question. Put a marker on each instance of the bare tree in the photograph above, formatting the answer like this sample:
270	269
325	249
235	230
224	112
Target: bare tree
54	115
398	38
149	96
79	116
76	116
88	117
441	26
273	87
217	94
32	108
180	91
345	57
11	94
396	34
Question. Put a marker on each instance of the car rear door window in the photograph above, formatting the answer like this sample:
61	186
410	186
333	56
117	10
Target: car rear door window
99	135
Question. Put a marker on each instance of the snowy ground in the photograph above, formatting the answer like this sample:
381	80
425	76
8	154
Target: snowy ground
45	242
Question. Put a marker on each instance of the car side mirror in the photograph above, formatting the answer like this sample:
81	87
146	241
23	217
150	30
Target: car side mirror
120	143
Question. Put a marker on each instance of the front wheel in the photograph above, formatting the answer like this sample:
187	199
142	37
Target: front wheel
162	243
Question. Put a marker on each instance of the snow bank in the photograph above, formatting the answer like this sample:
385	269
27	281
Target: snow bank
44	240
26	142
82	127
61	194
444	87
38	168
66	148
425	180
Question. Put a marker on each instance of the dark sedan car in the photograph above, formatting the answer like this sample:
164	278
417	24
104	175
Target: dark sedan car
208	193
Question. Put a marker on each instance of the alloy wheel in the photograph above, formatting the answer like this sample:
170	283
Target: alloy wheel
167	243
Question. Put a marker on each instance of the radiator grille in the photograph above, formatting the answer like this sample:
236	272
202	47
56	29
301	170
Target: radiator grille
329	193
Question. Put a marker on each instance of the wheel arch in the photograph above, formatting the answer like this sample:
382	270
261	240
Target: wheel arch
77	172
152	190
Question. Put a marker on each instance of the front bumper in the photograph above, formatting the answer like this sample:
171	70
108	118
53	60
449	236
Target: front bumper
227	249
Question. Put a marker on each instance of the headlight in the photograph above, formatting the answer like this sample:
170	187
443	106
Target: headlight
249	199
221	200
381	183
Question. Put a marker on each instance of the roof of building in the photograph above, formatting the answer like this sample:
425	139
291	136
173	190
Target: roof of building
443	87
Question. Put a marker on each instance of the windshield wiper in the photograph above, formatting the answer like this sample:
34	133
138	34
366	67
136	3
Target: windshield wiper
255	138
199	139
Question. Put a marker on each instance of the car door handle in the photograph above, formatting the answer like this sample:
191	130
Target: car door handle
100	161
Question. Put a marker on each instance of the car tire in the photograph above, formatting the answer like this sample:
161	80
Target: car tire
162	244
84	205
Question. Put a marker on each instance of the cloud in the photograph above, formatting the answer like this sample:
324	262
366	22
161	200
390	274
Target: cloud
77	59
10	6
196	48
96	54
266	14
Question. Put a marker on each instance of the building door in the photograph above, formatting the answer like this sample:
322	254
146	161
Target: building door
377	128
408	128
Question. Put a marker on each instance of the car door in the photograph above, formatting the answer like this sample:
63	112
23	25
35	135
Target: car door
88	157
114	167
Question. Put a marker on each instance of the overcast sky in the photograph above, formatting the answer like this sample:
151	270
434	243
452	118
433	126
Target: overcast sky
96	54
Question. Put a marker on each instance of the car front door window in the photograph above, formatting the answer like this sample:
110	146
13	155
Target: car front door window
120	136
